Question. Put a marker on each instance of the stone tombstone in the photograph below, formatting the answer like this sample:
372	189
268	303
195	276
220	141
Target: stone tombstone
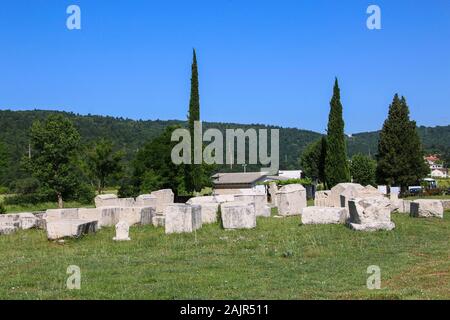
427	209
222	198
446	204
382	189
370	214
61	214
122	231
146	200
203	199
70	228
339	189
238	215
163	199
273	189
181	218
322	198
106	200
324	215
209	208
395	191
258	199
23	221
291	200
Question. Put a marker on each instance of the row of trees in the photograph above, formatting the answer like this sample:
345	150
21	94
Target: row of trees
399	161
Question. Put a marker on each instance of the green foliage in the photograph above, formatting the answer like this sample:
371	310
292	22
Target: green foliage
194	172
2	208
304	182
55	143
363	170
336	163
400	154
103	162
154	169
25	186
312	161
4	163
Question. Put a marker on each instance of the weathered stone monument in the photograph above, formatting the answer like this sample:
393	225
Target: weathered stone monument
122	231
347	190
273	189
146	200
258	199
106	200
427	209
322	199
324	215
370	214
163	199
238	215
291	200
182	218
69	228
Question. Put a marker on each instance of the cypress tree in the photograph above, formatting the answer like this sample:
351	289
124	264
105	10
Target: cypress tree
194	175
336	164
400	154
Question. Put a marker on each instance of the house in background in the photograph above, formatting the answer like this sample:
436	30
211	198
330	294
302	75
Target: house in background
436	166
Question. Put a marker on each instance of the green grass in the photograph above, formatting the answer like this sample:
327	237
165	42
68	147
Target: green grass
279	260
43	206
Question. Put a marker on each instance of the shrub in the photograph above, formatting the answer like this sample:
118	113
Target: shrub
2	208
4	190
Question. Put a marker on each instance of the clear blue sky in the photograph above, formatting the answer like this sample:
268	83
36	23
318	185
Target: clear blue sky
269	62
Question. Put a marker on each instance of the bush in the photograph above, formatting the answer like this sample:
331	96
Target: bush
2	208
32	198
85	194
304	182
4	190
25	186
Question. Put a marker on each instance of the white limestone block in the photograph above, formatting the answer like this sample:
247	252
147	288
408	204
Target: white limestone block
69	228
200	200
163	199
291	200
122	231
273	189
159	220
209	211
427	209
370	214
258	199
23	221
322	199
446	204
106	200
336	191
324	215
238	215
182	218
223	198
146	200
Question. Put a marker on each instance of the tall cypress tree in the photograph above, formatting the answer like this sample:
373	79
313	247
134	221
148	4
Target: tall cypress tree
336	164
400	154
194	175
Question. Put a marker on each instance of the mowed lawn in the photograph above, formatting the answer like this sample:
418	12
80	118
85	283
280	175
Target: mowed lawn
281	259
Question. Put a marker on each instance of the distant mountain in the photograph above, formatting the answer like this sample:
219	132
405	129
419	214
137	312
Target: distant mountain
130	135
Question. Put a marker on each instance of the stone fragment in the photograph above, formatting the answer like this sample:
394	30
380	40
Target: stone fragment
163	199
182	218
159	220
322	199
446	204
258	199
291	200
336	191
370	214
238	215
23	221
146	200
122	231
427	209
324	215
106	200
70	228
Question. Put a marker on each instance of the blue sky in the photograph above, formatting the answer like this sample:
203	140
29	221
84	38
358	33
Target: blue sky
270	62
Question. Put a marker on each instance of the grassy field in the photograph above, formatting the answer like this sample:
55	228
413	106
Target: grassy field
279	260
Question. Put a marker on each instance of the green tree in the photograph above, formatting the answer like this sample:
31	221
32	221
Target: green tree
4	161
312	160
336	163
194	172
103	163
400	154
363	169
55	144
154	169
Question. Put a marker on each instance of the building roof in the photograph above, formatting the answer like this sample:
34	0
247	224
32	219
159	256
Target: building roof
238	178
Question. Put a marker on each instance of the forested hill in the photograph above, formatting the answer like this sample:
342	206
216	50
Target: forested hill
130	135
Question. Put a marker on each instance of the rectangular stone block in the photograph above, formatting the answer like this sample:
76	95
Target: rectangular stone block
427	209
70	228
60	214
259	200
324	215
146	200
163	199
181	218
238	215
370	214
291	200
24	221
106	200
159	221
446	204
322	199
